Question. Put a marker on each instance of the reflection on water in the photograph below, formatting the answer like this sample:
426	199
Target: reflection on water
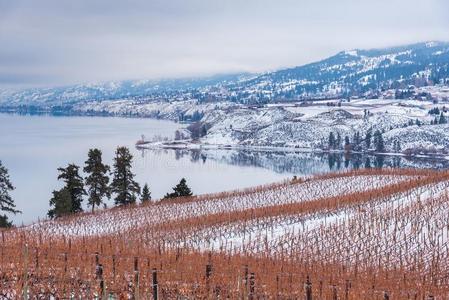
304	163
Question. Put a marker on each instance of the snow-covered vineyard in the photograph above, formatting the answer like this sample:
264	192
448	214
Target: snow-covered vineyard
364	234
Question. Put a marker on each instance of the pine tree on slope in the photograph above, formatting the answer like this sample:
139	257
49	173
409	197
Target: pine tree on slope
97	181
180	190
74	185
146	194
6	202
123	184
61	204
368	139
379	142
332	141
442	119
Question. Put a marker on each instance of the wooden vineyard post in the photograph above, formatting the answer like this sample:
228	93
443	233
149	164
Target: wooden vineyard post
25	273
102	289
97	259
334	292
208	274
3	245
154	284
36	261
245	276
277	286
64	278
252	282
348	285
113	268
136	278
321	289
308	287
99	275
386	296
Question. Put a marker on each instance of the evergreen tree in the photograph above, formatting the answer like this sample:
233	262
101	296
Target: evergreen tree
338	141
146	194
347	144
61	203
442	119
367	163
397	146
180	190
356	142
4	223
123	184
74	185
97	181
331	141
379	141
6	202
368	137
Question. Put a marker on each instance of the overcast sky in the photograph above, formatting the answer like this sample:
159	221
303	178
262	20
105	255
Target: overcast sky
58	42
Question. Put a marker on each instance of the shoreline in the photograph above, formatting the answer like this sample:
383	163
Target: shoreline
203	146
192	146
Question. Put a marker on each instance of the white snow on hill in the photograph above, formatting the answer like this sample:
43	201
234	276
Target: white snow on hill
310	126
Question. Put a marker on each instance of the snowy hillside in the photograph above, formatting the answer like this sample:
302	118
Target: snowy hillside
310	126
348	73
355	72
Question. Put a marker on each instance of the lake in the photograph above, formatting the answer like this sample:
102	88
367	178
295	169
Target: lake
33	147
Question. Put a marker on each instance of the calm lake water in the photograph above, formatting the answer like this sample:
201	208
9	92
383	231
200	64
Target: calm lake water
33	147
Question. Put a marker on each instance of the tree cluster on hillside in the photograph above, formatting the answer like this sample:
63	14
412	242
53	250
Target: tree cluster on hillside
434	111
438	120
357	144
198	130
180	190
97	186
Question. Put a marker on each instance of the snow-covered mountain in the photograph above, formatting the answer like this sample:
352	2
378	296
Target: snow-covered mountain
351	73
392	90
179	89
348	73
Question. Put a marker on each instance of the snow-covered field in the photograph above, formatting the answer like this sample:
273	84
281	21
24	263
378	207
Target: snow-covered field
378	214
119	221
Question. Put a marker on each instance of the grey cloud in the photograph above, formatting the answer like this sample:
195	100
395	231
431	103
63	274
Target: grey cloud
51	42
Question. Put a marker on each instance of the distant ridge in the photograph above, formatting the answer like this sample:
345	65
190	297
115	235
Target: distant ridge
356	72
